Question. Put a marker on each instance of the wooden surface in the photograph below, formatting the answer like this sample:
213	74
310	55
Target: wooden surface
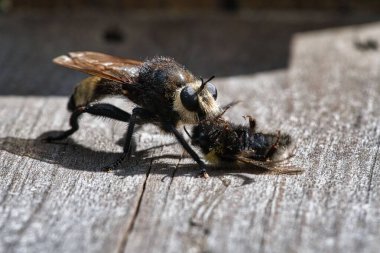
53	198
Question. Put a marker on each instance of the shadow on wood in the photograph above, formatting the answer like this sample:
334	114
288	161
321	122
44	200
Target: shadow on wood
72	155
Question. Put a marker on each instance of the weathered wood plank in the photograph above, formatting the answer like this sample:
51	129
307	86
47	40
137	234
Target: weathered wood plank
341	86
329	105
52	196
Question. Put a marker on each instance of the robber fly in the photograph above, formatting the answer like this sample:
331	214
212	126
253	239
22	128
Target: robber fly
224	143
165	92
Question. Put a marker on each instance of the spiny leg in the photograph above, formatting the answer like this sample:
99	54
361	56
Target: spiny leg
189	150
103	110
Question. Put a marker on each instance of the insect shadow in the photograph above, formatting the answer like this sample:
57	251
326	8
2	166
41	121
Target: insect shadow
72	155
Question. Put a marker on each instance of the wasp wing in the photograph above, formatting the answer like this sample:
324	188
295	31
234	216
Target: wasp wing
277	166
102	65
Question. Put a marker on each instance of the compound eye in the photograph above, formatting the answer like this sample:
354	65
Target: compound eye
212	89
189	98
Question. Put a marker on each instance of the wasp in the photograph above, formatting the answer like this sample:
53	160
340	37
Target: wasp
165	93
226	143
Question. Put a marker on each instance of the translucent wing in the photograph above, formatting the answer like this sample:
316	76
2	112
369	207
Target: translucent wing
278	166
102	65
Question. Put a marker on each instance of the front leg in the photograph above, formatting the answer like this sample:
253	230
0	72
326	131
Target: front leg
189	150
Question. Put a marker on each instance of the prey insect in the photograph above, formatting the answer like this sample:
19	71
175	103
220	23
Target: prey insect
224	143
165	92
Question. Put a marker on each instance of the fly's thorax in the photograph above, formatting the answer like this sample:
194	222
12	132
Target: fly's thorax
206	104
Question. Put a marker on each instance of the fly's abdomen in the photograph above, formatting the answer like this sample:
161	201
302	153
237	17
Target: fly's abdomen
92	89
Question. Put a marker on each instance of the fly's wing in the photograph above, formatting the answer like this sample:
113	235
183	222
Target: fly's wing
277	166
102	65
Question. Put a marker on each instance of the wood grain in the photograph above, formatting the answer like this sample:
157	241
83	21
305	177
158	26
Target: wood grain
54	198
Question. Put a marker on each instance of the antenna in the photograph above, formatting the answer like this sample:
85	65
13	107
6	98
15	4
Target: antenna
204	83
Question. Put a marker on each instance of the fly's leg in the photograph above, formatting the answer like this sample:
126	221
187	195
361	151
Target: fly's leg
193	154
103	110
139	115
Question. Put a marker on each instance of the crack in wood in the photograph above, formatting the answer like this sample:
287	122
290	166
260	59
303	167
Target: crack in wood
369	188
124	242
